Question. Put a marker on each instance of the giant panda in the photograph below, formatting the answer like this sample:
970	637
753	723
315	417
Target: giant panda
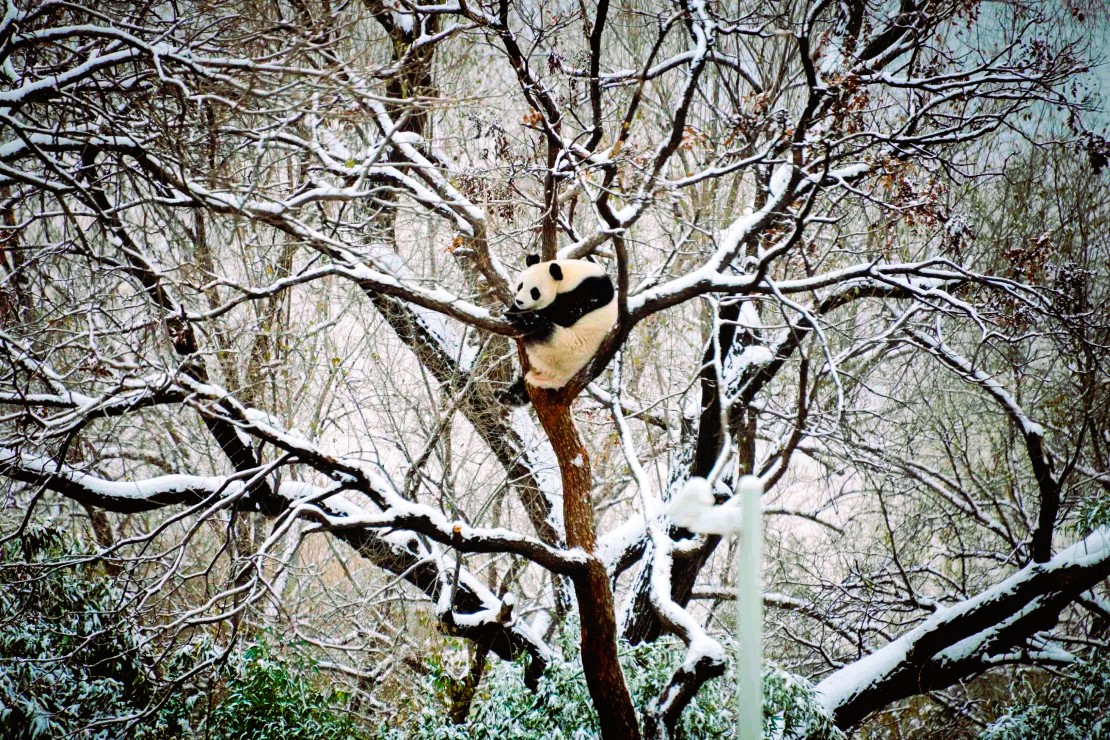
565	308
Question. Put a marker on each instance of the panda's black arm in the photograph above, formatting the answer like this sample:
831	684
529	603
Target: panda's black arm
535	325
589	295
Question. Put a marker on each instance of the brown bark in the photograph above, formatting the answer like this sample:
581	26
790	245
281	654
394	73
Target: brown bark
549	223
602	670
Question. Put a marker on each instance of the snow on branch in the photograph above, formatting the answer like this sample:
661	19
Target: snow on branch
1040	457
433	524
322	505
122	496
709	279
705	657
967	370
127	396
961	640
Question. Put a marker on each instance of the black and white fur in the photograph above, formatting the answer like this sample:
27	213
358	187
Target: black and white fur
566	308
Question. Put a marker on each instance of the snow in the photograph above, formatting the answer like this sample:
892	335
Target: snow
540	622
702	276
625	214
619	540
702	31
755	355
973	645
851	680
61	80
474	619
139	490
693	508
1031	427
736	364
404	20
490	610
749	316
780	179
962	365
739	229
407	146
843	174
841	686
699	645
262	417
690	501
429	520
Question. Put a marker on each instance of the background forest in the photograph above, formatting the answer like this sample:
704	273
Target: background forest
254	478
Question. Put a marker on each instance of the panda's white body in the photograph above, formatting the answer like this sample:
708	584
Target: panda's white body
567	307
553	362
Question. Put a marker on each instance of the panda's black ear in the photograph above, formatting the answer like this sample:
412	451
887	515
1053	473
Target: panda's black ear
556	271
532	259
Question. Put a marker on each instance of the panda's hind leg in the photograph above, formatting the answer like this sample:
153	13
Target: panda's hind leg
515	395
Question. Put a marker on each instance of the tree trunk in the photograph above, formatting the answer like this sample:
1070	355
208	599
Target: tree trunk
603	673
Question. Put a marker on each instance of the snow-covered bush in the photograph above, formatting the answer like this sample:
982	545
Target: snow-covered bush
70	664
1075	706
561	708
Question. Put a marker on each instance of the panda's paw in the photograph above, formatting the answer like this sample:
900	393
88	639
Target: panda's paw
525	321
515	395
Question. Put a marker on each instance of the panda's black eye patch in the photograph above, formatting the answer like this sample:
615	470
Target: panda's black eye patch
518	287
535	294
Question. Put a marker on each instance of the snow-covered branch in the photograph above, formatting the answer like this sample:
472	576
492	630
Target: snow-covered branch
959	641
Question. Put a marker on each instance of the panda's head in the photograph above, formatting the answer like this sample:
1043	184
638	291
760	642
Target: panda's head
538	285
540	282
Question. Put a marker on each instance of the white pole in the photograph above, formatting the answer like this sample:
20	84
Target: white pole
749	612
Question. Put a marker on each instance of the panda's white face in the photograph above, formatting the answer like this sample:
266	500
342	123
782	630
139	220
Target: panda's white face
535	288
